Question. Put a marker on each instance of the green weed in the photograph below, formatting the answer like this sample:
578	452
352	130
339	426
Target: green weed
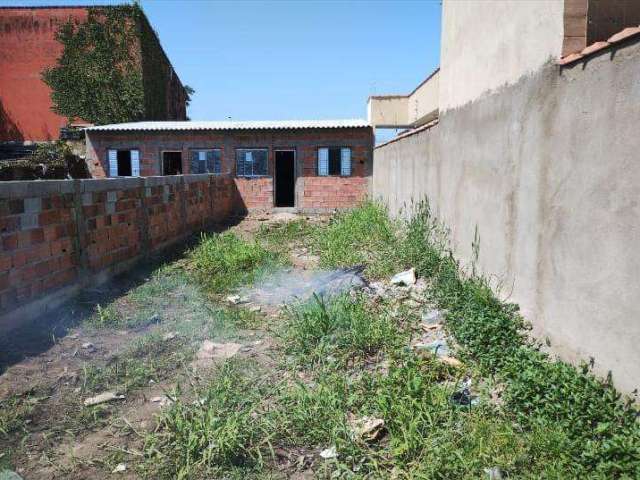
222	429
364	235
225	261
345	327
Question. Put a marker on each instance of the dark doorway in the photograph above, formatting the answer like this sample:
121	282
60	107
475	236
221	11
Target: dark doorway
124	163
171	163
285	178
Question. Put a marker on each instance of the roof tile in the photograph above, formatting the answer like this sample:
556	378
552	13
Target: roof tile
624	34
594	47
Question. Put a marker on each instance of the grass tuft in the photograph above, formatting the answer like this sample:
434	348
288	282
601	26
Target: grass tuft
225	261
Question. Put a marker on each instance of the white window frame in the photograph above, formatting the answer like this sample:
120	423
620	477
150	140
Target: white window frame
252	175
346	162
112	161
205	150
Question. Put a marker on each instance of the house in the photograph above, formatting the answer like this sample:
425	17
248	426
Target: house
311	165
28	46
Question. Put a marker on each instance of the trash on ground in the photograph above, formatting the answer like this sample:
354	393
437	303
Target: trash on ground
439	347
464	397
169	336
328	453
88	346
102	398
432	317
493	473
236	299
162	400
211	350
297	285
408	278
452	361
255	309
121	467
366	428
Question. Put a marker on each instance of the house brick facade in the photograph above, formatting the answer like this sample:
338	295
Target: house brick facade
28	46
312	192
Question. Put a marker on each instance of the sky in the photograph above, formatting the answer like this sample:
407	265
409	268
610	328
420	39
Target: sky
285	59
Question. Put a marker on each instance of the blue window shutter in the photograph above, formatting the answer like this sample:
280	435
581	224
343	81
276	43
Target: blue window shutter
195	159
345	162
135	163
323	162
112	155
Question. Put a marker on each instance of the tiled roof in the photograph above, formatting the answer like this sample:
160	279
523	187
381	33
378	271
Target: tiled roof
599	46
229	125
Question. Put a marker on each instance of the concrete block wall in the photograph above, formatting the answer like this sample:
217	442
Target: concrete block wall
57	236
547	172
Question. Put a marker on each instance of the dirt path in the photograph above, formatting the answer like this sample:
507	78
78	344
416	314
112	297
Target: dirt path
160	322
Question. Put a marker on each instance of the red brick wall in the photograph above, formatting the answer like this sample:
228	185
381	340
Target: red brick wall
65	233
312	192
27	47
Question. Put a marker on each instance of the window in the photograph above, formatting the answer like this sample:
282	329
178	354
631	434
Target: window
251	163
172	163
334	161
124	163
206	161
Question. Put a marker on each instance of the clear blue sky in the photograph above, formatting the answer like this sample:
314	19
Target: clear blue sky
272	60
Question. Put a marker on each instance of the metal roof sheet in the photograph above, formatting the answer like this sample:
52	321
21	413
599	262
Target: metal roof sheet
230	125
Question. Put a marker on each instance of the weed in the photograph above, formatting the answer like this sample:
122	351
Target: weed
105	317
345	327
279	236
222	429
14	412
364	235
224	261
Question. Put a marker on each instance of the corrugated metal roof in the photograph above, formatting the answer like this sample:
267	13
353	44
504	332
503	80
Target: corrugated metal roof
229	125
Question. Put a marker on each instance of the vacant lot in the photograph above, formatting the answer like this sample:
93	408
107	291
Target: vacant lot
222	363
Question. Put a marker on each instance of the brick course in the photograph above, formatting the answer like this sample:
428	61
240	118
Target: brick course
312	192
85	228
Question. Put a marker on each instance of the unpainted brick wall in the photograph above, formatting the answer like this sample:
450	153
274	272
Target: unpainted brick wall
312	192
62	233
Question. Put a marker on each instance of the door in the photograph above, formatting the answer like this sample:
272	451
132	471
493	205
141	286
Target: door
285	178
171	163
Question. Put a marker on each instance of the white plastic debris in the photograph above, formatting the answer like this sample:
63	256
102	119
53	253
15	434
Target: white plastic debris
121	467
408	277
103	398
328	453
87	346
493	473
366	428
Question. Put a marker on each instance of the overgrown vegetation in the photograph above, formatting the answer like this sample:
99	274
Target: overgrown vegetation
555	420
111	69
224	261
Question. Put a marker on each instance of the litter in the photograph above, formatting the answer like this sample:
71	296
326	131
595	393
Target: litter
328	453
408	278
121	467
102	398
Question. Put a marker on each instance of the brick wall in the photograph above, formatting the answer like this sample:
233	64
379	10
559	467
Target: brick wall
312	192
59	235
27	47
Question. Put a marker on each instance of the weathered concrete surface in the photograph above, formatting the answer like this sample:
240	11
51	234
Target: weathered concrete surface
548	170
489	43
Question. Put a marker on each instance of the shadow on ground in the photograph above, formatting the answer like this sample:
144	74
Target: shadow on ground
40	335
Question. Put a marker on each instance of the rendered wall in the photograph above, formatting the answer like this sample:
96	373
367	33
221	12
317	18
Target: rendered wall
60	235
547	169
489	43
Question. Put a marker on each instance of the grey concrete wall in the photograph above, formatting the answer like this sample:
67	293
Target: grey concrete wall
489	43
548	169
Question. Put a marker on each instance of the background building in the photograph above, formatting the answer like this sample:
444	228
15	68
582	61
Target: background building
28	46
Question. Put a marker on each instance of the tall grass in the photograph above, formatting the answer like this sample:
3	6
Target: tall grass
224	261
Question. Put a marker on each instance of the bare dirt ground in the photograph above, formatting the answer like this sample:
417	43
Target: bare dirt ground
49	369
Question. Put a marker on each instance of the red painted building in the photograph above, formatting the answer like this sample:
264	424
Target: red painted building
28	46
310	165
